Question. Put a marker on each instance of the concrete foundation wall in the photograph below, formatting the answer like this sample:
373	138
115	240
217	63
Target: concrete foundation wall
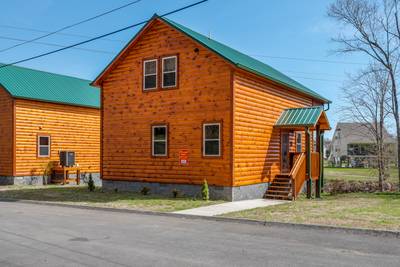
42	180
216	192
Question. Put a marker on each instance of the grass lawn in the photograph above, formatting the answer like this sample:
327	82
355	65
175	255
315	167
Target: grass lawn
359	210
357	174
79	195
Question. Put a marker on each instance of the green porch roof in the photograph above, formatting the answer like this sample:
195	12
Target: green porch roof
32	84
302	117
245	62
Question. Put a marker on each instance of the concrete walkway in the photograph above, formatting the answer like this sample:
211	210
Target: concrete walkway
223	208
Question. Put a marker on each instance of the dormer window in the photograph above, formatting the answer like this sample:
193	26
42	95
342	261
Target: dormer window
169	72
150	74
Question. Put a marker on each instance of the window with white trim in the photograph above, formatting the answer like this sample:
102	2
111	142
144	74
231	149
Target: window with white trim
212	139
169	71
159	140
298	142
43	143
150	74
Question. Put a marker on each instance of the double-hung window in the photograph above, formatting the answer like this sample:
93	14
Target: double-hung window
169	72
212	139
298	142
43	146
159	141
150	74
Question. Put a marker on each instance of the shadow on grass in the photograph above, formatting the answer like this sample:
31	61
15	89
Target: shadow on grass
388	195
82	194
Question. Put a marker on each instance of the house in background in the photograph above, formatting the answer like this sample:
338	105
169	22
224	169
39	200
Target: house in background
179	108
327	148
41	114
353	145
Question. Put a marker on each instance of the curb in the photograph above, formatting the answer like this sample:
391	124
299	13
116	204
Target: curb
357	231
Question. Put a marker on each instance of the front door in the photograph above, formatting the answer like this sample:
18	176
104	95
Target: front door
285	161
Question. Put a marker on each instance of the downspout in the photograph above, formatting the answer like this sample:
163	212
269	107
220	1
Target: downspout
327	107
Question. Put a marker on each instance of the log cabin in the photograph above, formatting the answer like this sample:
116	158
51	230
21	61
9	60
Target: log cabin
179	108
41	114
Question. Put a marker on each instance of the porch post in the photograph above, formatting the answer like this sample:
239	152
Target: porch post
318	148
321	177
308	163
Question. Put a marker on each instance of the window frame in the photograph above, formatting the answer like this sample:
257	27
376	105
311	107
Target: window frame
38	145
176	72
144	74
153	141
219	139
299	143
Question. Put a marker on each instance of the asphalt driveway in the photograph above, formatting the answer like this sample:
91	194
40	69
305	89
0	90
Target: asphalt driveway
36	235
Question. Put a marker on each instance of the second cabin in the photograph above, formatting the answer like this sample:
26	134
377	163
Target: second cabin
43	115
179	108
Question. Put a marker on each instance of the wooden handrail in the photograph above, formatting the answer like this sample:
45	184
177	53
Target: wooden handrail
298	175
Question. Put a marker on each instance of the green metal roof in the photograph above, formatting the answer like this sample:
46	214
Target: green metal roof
299	117
245	62
49	87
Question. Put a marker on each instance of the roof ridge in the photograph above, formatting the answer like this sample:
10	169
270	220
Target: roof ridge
44	71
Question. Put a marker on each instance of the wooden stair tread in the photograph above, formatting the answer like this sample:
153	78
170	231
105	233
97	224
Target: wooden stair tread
277	197
279	187
281	180
278	192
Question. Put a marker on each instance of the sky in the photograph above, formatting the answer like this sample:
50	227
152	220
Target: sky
294	37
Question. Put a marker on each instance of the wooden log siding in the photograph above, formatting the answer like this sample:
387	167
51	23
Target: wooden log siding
6	133
204	95
257	106
70	127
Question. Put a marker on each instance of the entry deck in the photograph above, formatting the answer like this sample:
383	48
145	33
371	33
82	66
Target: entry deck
305	166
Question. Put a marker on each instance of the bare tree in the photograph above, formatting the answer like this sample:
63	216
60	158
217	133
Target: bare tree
368	102
374	30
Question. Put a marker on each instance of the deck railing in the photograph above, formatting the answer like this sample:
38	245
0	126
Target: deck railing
315	165
298	175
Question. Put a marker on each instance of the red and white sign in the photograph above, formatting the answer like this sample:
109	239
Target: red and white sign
184	157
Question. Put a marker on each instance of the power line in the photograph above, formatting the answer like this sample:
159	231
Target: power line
114	53
315	73
58	33
72	25
102	36
312	60
122	41
58	45
317	79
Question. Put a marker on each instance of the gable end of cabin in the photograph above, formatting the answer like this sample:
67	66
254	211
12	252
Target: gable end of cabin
143	97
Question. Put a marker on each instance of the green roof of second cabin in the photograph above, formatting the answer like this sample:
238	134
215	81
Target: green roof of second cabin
25	83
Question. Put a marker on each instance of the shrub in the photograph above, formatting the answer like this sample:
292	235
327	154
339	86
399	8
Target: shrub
145	191
204	191
91	185
175	193
341	186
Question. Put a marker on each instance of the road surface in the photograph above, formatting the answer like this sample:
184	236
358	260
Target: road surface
38	235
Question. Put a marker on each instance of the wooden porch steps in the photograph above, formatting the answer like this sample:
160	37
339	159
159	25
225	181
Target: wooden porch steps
280	188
